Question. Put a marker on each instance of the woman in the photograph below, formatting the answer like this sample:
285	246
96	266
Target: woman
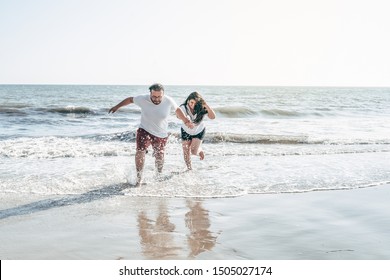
195	108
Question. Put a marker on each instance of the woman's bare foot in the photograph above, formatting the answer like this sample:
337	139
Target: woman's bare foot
201	155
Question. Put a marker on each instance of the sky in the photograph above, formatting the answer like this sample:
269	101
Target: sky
202	42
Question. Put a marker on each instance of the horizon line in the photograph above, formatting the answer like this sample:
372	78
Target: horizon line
199	85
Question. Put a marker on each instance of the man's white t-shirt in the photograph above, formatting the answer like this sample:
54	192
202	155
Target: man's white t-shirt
154	118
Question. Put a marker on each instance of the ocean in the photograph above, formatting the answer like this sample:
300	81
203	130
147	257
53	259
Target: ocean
60	141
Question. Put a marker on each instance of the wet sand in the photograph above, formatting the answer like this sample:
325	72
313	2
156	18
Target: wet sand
335	225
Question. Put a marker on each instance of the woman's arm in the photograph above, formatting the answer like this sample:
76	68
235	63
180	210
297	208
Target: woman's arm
210	111
124	102
180	115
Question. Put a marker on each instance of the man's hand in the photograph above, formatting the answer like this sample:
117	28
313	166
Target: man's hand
189	124
113	110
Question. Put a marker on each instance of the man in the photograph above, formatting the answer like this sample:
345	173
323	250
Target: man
153	130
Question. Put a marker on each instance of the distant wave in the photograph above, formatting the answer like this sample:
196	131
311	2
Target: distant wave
23	110
243	111
235	111
20	110
279	112
70	110
12	111
14	106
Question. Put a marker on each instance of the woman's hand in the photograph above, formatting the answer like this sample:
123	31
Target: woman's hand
210	111
189	124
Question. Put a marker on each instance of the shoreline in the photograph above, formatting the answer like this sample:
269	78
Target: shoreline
319	225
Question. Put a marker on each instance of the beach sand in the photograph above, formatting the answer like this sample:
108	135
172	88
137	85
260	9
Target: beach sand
344	224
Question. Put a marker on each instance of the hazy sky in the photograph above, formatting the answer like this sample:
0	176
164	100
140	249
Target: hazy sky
202	42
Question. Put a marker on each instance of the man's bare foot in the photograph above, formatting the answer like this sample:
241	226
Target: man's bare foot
138	181
201	155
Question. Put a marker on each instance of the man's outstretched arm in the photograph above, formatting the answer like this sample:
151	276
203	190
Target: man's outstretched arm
124	102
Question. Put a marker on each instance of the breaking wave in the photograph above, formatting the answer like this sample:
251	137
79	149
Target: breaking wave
255	138
123	144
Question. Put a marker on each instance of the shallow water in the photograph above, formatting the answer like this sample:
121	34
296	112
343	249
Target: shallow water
59	140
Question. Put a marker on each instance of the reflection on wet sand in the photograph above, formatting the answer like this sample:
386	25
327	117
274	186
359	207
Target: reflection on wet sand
200	238
157	237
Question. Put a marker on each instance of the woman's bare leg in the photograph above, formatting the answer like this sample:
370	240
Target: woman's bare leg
196	148
187	153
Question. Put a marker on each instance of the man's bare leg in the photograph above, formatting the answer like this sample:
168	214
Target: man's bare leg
159	160
139	165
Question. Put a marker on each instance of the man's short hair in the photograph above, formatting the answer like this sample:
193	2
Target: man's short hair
156	87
